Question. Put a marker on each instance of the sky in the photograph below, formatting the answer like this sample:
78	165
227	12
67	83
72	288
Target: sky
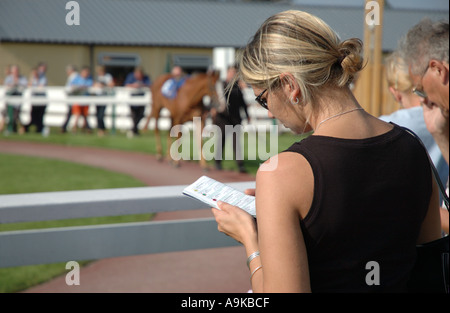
441	5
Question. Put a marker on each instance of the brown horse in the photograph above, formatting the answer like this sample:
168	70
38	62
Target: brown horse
187	105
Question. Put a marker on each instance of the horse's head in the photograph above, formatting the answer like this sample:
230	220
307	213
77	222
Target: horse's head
198	86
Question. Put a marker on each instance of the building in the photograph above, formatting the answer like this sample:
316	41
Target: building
155	34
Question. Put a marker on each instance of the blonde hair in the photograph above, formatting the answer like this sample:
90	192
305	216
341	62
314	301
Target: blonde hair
304	45
397	73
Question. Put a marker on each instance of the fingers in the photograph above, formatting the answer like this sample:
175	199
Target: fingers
224	206
233	221
250	191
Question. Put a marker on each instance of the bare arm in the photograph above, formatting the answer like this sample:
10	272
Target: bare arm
431	226
280	198
283	196
444	219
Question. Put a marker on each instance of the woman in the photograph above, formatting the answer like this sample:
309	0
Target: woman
342	198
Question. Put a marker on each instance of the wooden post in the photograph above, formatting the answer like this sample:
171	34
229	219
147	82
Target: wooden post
368	85
377	64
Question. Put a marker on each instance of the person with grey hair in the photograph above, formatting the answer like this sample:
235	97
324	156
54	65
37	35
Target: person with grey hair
410	114
425	49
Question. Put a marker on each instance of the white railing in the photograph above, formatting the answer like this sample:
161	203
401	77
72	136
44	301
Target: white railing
117	114
77	243
57	100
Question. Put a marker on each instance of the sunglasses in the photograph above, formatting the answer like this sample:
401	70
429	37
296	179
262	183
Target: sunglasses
261	101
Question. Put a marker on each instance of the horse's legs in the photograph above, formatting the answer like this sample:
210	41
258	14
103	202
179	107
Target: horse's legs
155	114
175	163
147	122
199	141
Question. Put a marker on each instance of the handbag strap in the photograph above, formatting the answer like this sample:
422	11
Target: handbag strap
433	168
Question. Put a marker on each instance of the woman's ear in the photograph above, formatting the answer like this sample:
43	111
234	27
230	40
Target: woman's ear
290	87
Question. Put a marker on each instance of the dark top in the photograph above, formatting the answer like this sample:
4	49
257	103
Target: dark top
131	79
236	101
370	198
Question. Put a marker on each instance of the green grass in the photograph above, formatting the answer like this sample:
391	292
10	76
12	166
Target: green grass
145	143
16	279
23	174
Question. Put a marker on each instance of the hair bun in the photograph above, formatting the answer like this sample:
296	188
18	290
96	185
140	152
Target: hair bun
350	59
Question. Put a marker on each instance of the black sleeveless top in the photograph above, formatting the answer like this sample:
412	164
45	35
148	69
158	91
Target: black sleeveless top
370	198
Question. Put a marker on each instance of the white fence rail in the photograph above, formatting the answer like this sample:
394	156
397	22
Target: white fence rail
63	244
117	114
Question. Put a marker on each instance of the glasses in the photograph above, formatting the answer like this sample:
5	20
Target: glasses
419	91
262	102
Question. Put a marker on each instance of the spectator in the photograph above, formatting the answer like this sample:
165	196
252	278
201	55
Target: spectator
170	88
137	80
425	49
411	113
343	200
37	81
229	113
72	73
3	113
15	84
104	83
7	72
80	86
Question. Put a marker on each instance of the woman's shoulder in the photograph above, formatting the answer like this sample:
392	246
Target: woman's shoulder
287	175
285	163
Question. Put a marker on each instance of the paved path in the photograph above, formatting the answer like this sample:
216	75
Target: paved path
205	271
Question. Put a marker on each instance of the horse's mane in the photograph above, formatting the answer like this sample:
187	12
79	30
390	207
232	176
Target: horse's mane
196	76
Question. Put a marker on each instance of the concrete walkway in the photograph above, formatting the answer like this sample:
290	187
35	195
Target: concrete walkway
220	270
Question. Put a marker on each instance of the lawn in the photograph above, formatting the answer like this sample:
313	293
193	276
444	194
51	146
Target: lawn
22	174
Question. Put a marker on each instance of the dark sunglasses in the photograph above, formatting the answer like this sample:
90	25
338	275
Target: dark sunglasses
262	102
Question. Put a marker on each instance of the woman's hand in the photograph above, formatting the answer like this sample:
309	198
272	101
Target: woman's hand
250	192
236	223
